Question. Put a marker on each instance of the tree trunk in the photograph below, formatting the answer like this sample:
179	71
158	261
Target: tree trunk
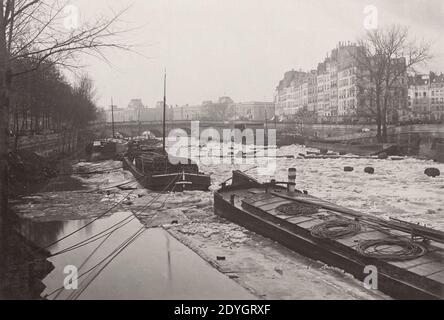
378	116
5	82
384	118
17	129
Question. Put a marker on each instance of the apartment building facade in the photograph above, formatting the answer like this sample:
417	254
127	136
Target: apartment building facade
426	97
329	92
334	91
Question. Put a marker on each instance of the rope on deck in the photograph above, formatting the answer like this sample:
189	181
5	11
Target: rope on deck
391	249
336	229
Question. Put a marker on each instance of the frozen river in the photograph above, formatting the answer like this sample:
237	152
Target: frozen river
157	266
398	189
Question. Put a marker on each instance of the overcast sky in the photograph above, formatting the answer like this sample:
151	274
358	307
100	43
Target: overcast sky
239	48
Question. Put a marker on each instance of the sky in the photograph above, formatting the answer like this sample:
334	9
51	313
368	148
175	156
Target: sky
237	48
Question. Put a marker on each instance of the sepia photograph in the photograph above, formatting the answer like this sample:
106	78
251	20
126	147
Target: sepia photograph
221	156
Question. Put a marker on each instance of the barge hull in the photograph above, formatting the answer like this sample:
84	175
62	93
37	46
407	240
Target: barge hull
160	182
388	283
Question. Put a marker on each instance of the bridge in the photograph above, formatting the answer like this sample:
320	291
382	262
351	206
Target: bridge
132	129
425	140
332	132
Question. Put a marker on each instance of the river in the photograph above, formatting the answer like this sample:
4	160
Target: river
155	266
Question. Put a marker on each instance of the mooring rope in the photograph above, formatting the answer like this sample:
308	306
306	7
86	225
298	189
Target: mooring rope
408	250
336	229
123	245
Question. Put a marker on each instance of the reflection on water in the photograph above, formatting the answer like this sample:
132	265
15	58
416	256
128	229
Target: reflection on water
155	266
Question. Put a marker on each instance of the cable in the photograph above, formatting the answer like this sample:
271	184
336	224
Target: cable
91	239
89	223
58	291
137	235
128	243
96	237
336	229
89	270
87	259
408	250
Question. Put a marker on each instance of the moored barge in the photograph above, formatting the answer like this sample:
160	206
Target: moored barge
159	172
409	258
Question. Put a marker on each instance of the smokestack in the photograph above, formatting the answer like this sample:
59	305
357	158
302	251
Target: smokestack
292	180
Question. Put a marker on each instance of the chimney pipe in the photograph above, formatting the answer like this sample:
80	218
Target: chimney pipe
292	180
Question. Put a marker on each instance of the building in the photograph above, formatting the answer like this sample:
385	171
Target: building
136	104
437	96
288	97
137	111
253	111
312	92
330	91
225	109
337	91
426	97
192	113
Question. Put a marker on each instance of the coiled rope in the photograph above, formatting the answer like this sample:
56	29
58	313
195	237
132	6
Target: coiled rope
391	249
336	229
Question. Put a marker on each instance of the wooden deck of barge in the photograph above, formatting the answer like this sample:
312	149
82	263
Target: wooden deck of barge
257	210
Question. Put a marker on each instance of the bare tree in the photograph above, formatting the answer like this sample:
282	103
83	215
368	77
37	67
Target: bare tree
37	30
384	60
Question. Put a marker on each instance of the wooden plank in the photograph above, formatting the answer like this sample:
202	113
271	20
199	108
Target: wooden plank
427	268
310	224
284	216
363	236
260	196
435	256
300	219
266	203
272	206
439	277
257	191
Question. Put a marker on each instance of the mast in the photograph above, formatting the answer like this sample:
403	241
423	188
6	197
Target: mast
266	126
139	123
112	117
164	112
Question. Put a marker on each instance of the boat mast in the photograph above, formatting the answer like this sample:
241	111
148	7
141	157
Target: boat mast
266	123
112	117
139	123
164	113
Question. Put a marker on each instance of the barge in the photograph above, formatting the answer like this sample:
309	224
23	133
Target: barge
156	171
409	258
